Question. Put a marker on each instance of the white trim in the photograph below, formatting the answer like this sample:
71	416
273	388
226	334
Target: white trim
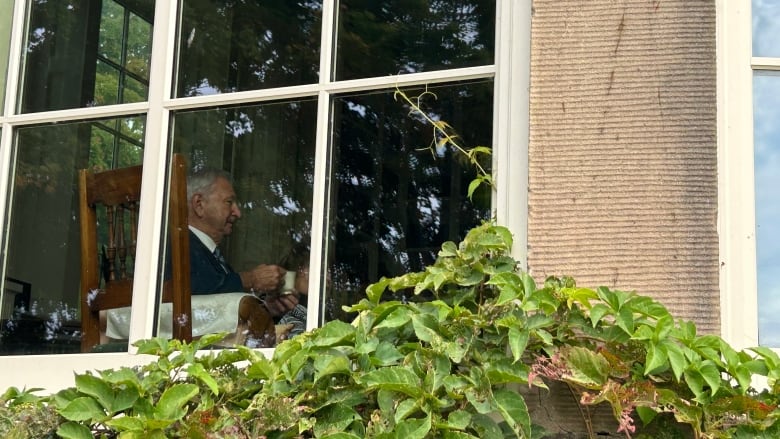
14	57
328	43
765	63
319	222
312	90
146	282
78	114
736	213
511	121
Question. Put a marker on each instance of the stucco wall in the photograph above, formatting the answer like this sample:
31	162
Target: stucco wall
623	159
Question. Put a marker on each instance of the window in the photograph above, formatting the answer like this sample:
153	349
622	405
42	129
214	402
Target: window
766	85
295	100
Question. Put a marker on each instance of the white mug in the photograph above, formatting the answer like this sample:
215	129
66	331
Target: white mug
288	286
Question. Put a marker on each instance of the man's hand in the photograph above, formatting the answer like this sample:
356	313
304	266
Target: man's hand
278	305
263	278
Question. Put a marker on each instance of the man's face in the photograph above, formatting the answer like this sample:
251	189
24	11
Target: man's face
219	210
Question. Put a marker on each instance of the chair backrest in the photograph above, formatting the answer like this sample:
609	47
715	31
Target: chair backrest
106	281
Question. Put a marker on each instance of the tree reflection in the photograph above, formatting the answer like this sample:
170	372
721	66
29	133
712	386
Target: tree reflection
406	36
228	46
397	200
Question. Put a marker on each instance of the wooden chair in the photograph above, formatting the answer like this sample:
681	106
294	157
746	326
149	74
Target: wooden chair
106	282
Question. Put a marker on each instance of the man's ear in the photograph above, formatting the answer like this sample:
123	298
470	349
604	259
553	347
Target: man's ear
196	205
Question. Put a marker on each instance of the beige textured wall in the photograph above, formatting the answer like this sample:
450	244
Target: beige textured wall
623	164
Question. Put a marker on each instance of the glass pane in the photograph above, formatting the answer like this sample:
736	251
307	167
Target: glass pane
766	28
80	54
237	46
394	37
5	36
268	153
43	262
767	166
396	200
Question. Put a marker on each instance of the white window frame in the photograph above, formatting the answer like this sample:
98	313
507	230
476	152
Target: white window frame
511	75
736	179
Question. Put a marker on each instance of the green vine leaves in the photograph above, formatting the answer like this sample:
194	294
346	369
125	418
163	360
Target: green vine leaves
444	135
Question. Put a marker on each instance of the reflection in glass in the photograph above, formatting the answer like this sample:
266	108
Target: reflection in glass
766	28
5	37
395	201
237	46
269	151
767	163
43	246
394	37
81	54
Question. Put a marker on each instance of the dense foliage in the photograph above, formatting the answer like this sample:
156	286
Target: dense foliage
438	367
441	364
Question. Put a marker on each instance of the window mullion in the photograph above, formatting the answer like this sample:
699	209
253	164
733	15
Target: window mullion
320	218
152	210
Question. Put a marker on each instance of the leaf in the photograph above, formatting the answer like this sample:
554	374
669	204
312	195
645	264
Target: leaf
330	363
96	388
459	419
123	375
598	312
480	150
486	427
340	435
518	341
397	318
126	423
513	409
386	354
587	368
663	327
509	285
198	371
414	428
169	407
676	359
656	359
73	430
395	378
506	236
124	399
609	297
473	185
743	376
625	320
426	328
711	375
646	414
448	249
332	333
374	291
404	409
482	401
334	418
83	409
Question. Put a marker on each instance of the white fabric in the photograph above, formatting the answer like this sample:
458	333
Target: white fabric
210	313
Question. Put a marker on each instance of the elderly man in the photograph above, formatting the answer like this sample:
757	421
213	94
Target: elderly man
212	211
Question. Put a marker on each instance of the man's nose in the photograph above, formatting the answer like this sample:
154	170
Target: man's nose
236	210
